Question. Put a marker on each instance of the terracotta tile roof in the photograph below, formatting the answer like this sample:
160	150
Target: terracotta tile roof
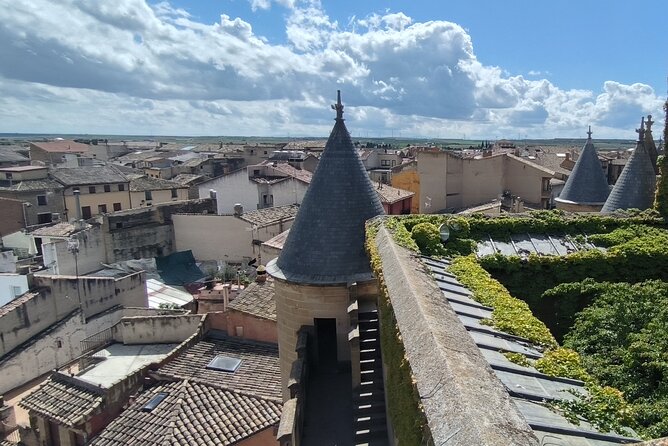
389	194
278	241
141	183
64	400
258	375
74	176
257	299
34	185
287	169
62	146
269	216
188	179
192	414
62	229
9	306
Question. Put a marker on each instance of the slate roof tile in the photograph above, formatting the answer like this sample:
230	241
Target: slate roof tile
586	183
73	176
326	241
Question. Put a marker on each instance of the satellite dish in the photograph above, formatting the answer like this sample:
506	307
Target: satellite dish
445	232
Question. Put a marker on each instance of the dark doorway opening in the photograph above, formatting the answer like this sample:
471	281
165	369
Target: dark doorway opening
325	334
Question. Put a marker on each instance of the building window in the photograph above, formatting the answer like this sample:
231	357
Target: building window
256	172
8	175
117	207
101	208
121	187
267	200
384	162
107	188
85	212
265	152
59	343
91	190
148	195
175	193
41	200
44	218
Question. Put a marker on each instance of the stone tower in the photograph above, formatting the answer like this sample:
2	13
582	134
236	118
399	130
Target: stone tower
323	265
635	187
586	188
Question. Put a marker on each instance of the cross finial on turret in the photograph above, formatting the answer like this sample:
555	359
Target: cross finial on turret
648	124
589	133
641	130
338	106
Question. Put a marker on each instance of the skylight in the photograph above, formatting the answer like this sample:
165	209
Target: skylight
153	402
224	363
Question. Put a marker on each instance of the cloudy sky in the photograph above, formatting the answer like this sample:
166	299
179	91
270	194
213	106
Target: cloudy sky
479	69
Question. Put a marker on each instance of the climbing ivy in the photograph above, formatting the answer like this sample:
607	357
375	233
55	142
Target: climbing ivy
405	410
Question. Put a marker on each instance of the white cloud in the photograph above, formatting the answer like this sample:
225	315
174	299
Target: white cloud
155	69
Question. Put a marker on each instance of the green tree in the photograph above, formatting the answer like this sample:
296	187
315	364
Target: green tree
661	199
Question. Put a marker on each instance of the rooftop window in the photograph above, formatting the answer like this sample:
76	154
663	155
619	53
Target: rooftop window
153	402
224	363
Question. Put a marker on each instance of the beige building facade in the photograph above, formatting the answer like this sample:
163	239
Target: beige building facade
448	181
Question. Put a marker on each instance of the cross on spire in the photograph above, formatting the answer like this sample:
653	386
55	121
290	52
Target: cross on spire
589	133
338	106
641	130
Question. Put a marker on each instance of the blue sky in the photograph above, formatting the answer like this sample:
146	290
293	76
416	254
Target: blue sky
270	67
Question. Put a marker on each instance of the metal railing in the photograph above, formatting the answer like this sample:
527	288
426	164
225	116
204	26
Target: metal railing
97	340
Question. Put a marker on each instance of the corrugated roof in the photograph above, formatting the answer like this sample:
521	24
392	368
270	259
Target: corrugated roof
326	242
159	293
74	176
528	387
586	183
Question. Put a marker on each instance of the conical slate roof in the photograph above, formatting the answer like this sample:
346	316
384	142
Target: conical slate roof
325	245
636	184
587	183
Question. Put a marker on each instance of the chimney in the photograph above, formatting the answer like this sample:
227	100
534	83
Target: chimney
261	274
77	202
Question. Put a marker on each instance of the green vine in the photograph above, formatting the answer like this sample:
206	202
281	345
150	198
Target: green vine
405	410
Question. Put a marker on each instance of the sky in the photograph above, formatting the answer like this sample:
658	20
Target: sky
482	69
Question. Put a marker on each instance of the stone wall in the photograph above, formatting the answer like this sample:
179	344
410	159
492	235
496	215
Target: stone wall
147	232
297	306
463	401
156	329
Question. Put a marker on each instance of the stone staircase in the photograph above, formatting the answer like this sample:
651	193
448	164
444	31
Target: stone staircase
370	422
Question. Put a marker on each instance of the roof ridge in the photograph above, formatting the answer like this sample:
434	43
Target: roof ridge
176	411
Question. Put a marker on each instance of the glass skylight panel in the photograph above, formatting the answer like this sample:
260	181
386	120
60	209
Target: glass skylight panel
224	363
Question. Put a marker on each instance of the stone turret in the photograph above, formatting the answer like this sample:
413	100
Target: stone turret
635	186
650	146
586	188
323	264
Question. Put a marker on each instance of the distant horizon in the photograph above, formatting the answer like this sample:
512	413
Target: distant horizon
217	138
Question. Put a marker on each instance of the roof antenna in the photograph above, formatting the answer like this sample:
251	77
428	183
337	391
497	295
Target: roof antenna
338	106
589	133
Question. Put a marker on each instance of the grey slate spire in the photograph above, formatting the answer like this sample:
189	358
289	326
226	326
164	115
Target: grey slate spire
587	183
635	186
649	144
325	245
